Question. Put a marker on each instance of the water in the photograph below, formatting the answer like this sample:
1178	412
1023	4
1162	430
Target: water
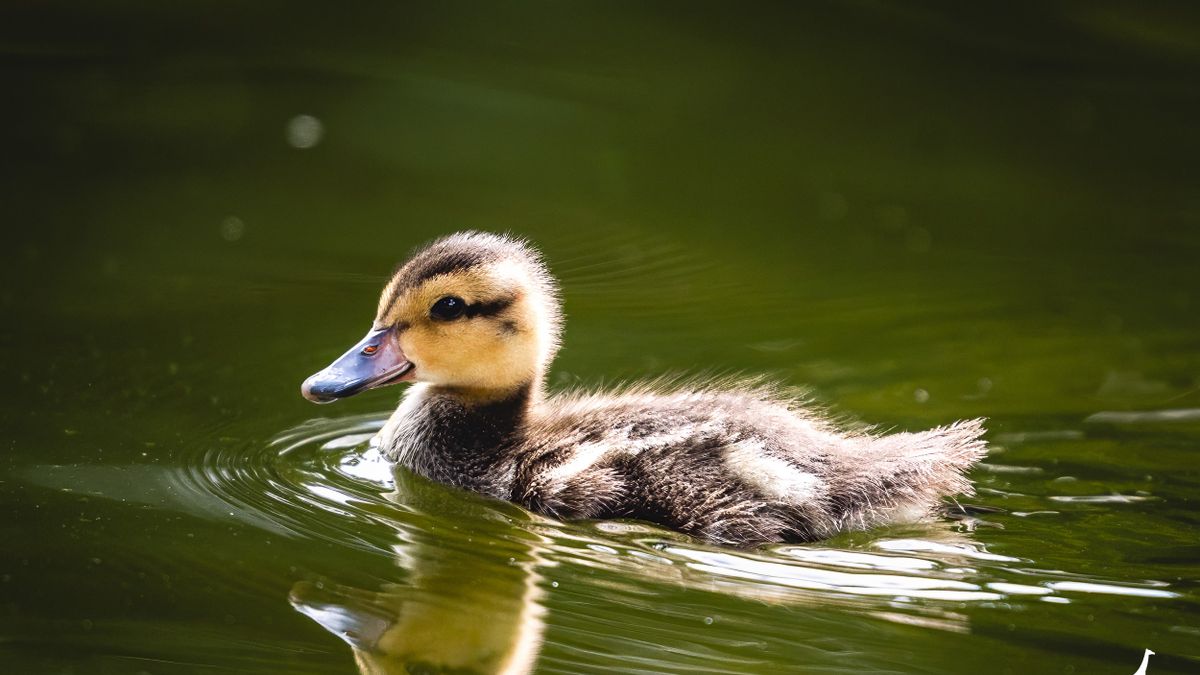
921	214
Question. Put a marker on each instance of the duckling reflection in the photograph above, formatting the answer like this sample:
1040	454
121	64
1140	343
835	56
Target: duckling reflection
459	610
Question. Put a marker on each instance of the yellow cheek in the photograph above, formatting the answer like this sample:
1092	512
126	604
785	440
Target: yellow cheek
424	347
471	355
450	353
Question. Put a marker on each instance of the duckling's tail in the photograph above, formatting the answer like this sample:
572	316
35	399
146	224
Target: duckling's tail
904	476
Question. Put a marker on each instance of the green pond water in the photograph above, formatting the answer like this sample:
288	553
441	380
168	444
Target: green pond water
922	213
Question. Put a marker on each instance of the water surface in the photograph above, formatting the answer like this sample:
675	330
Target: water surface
921	214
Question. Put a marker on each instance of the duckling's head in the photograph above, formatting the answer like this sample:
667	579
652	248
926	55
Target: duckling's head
473	312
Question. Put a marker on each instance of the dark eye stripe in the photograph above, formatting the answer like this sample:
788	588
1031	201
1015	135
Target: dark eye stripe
490	308
450	308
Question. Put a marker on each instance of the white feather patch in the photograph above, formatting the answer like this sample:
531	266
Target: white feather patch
772	476
584	456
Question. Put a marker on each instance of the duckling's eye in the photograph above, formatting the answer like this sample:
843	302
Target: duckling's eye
448	308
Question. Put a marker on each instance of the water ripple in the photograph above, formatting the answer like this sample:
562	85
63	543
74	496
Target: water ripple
322	482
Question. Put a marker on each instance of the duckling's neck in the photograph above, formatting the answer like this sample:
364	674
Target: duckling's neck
458	436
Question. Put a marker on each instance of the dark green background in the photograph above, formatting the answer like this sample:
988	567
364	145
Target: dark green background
924	212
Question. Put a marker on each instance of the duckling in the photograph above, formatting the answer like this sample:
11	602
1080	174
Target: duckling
474	321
